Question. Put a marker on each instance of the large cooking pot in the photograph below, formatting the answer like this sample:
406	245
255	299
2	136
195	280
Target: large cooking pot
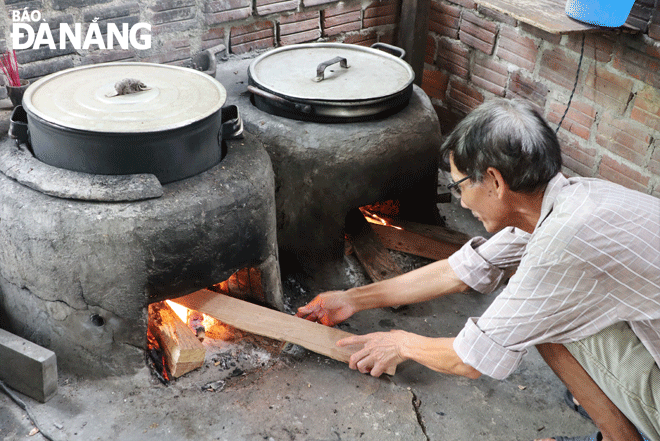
331	82
127	118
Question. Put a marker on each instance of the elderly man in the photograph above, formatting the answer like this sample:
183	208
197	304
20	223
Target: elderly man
582	260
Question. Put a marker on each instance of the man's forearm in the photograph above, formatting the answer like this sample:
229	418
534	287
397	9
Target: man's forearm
422	284
437	354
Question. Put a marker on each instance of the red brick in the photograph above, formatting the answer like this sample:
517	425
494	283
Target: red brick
265	7
516	49
557	67
444	19
260	35
341	29
653	51
654	162
553	39
577	156
226	5
300	28
213	37
434	83
490	75
225	11
468	4
431	49
597	47
300	37
380	13
102	56
497	16
640	14
646	108
654	25
342	9
308	3
363	39
638	65
615	171
164	5
312	17
524	87
174	26
579	118
171	15
387	37
654	31
624	137
454	58
463	97
341	18
381	8
608	89
176	52
478	32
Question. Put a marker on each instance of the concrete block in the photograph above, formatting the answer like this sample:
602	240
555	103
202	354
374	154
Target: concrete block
27	367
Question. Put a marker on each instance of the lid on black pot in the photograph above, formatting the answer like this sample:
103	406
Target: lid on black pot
90	97
366	73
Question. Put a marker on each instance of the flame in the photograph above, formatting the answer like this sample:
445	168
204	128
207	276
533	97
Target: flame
213	328
376	219
179	310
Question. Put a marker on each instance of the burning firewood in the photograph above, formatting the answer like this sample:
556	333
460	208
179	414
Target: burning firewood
183	351
430	241
269	323
399	239
368	248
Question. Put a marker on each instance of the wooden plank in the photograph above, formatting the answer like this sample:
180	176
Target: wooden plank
28	368
548	15
368	248
270	323
435	232
412	243
183	350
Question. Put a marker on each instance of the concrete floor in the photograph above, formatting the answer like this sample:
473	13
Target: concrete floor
250	390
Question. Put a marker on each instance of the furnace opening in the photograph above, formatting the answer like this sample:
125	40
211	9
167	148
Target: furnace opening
181	340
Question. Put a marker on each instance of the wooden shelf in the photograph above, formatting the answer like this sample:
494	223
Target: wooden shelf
547	15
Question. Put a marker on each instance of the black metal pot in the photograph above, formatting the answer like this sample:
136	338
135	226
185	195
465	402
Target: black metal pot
331	82
171	126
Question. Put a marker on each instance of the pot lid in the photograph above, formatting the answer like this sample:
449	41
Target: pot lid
90	97
330	72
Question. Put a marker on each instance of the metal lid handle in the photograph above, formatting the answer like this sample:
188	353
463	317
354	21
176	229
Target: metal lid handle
320	70
393	49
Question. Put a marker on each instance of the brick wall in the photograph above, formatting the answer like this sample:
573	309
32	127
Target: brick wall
612	128
182	28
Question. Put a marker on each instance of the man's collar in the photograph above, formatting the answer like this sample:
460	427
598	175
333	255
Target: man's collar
550	195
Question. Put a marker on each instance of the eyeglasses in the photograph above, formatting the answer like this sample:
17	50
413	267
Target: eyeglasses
455	188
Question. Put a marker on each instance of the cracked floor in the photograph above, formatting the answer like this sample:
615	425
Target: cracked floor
303	396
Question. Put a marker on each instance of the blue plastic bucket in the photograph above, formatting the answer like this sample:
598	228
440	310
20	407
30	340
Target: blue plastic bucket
610	13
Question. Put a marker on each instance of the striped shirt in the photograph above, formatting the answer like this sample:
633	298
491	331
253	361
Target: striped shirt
593	260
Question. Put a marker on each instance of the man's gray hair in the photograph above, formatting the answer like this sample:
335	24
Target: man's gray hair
509	135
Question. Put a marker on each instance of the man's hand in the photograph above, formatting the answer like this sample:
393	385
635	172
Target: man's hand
328	308
380	350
